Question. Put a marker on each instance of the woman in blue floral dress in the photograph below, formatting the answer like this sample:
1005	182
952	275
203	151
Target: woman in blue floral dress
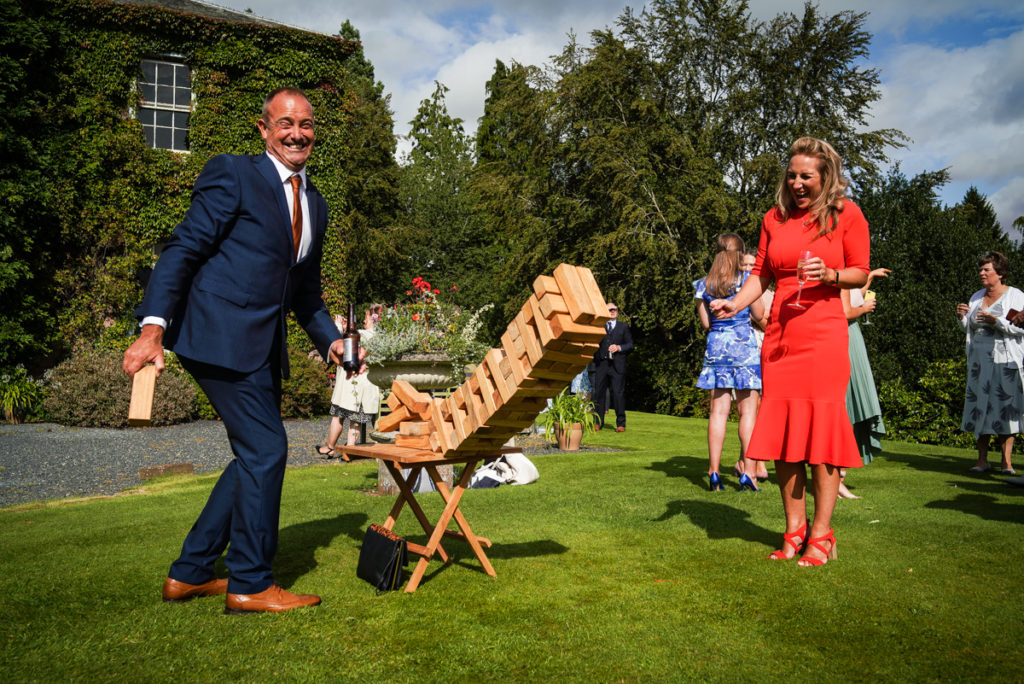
732	359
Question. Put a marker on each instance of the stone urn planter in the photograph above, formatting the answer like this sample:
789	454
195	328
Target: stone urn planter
423	372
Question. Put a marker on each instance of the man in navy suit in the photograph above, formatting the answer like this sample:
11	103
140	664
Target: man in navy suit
610	369
247	252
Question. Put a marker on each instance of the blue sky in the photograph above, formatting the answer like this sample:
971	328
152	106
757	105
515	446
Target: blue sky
952	70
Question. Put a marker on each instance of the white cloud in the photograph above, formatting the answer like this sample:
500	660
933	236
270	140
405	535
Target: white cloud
963	109
962	106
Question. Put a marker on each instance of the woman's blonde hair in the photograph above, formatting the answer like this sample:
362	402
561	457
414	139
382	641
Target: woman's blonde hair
827	206
722	278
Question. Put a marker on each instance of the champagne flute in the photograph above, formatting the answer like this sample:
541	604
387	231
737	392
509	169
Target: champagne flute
801	277
868	296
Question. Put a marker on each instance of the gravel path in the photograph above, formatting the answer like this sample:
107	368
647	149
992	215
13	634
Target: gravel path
41	461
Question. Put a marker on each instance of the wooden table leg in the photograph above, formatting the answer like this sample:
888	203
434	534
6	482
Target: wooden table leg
451	506
406	495
454	498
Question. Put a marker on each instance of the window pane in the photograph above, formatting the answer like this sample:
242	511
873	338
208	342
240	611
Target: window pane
181	120
145	116
184	77
163	138
165	95
165	74
149	93
164	118
179	140
182	97
148	71
149	135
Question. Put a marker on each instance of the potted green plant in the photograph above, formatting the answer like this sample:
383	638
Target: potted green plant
569	417
427	340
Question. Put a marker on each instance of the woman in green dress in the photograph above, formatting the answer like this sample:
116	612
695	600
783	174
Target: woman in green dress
861	396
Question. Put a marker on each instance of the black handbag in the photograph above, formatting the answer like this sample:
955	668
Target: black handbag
382	559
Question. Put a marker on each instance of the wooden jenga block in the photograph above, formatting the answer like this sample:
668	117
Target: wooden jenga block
413	442
552	303
528	335
441	428
393	401
493	362
417	402
140	407
414	428
391	421
458	418
563	328
543	285
487	391
544	332
581	310
512	342
594	293
549	374
465	403
563	357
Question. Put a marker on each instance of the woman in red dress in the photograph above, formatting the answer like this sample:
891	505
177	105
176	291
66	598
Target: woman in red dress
805	361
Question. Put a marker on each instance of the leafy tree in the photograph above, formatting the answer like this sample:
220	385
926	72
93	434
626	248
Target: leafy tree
629	156
452	246
933	253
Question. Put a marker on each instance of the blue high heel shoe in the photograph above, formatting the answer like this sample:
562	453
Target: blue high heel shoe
715	482
745	482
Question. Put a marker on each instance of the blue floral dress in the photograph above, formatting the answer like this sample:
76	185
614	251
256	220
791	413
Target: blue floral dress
732	358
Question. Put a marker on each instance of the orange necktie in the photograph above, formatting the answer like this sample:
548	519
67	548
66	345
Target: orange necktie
296	213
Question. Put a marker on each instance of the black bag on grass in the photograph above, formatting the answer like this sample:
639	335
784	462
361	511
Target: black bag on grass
382	559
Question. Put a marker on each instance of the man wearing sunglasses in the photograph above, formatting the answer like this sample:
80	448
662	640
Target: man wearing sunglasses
610	369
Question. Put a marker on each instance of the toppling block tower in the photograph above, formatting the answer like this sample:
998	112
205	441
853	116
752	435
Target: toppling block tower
546	345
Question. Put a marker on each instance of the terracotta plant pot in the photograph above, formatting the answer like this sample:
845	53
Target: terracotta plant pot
569	437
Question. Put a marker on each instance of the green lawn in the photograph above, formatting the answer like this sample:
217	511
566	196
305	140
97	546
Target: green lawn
612	567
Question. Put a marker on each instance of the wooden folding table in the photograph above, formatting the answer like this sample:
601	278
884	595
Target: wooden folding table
550	340
415	461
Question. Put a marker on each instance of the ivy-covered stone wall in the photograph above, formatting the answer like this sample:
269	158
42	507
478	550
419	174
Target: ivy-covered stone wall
89	200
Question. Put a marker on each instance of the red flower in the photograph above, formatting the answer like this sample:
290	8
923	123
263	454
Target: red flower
437	292
408	292
454	288
415	317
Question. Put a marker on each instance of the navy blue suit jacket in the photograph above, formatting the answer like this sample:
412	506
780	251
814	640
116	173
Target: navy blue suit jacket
227	277
621	336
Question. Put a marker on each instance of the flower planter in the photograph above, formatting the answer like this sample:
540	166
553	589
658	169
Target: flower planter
422	371
569	437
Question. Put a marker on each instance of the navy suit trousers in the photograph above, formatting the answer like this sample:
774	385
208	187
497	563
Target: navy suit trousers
244	507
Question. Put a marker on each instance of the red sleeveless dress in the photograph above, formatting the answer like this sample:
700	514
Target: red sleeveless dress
805	359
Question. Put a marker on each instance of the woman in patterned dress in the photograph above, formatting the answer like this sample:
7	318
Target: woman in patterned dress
994	404
732	359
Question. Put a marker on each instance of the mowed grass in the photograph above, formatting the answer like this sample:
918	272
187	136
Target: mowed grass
612	567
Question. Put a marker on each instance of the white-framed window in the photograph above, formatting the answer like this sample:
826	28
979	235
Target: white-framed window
166	89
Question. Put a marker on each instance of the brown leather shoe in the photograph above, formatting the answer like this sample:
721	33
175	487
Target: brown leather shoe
179	592
274	599
620	429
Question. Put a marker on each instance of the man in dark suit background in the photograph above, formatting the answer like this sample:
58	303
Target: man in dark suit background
610	369
247	252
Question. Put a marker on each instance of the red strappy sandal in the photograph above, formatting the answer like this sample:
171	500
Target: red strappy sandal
819	544
795	539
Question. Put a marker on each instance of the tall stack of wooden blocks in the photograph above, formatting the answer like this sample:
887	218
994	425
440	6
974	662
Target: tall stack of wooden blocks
547	344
